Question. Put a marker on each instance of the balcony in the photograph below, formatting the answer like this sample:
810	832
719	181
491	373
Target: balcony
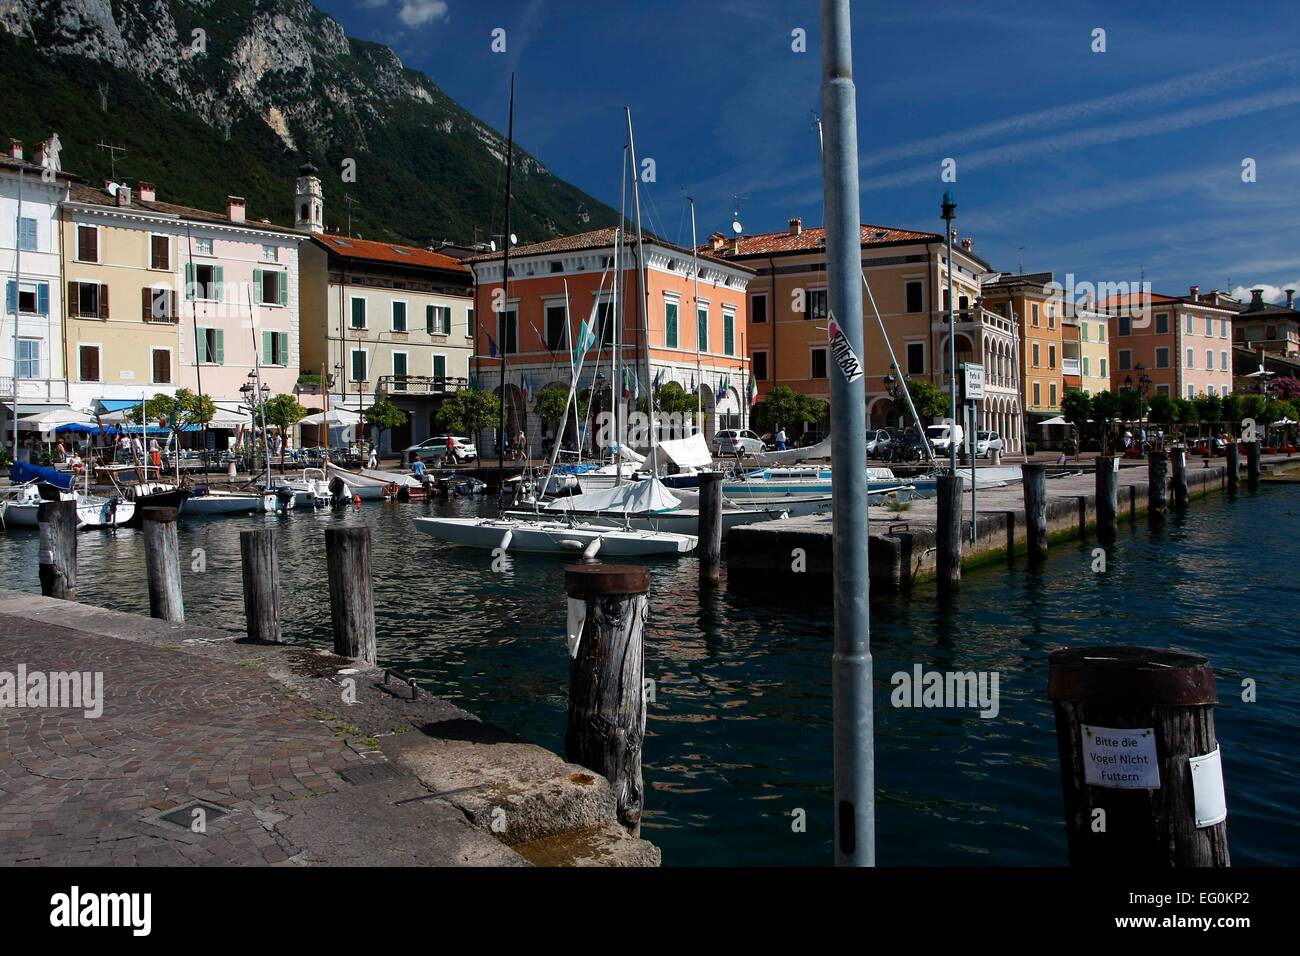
1070	366
419	384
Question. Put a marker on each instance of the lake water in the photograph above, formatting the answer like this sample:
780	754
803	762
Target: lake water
738	736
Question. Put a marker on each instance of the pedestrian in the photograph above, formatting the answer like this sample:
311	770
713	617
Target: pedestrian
137	449
780	438
60	453
155	454
373	460
521	445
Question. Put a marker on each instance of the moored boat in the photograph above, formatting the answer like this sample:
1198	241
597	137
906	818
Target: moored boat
555	537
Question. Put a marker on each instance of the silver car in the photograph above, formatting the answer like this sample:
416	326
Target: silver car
725	442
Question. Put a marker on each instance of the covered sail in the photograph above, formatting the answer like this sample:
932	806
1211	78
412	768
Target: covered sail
692	452
636	497
791	455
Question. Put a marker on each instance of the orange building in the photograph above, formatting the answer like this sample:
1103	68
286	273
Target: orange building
558	284
1042	348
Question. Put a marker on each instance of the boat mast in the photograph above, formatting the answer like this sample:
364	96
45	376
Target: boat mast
616	316
699	372
502	331
644	302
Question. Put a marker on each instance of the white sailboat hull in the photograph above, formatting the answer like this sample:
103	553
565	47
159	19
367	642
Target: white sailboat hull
554	537
683	521
223	503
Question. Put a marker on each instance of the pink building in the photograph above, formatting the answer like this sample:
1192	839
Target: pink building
1180	345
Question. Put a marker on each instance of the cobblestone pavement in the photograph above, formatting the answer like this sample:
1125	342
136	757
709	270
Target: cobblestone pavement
175	729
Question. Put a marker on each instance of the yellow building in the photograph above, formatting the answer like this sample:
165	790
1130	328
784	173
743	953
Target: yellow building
120	329
1093	351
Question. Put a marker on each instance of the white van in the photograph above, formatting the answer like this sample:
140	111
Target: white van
939	438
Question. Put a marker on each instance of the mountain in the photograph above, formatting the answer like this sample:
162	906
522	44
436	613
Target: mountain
275	83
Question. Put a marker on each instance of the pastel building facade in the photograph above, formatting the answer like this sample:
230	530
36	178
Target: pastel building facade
908	274
1182	344
32	374
696	328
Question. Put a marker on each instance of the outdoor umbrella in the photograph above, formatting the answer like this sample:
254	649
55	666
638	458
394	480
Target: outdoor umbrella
1057	420
54	418
339	417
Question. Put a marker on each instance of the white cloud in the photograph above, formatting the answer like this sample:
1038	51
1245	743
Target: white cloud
1272	293
416	13
371	4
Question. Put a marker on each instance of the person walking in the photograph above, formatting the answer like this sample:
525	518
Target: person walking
155	454
780	438
521	445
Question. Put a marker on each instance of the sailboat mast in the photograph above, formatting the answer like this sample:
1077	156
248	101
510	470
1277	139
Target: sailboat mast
644	297
699	371
502	331
616	316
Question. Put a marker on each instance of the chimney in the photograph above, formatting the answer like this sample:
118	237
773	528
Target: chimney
735	246
967	244
717	241
1290	298
123	195
235	208
1196	289
796	226
1256	298
147	192
15	149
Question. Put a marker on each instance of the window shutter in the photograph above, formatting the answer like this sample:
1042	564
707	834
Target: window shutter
11	296
284	347
173	311
103	301
189	280
221	345
201	346
258	287
43	298
218	273
267	350
146	304
283	283
428	319
74	299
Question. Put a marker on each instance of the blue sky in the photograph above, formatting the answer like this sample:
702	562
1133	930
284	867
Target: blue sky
1101	164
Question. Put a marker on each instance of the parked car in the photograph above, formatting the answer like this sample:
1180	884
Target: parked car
878	442
808	439
940	438
986	443
435	449
724	442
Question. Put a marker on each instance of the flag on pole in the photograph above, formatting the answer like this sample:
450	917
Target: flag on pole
586	338
492	346
659	376
753	390
636	386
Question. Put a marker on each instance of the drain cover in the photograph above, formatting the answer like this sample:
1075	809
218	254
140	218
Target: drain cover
184	817
370	773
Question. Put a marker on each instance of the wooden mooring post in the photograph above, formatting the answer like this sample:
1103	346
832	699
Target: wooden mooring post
1107	491
1035	486
352	596
1140	765
162	561
261	570
606	724
1157	478
948	531
57	521
1233	471
710	527
1179	460
1252	463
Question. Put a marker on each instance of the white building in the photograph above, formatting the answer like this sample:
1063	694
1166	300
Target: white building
32	374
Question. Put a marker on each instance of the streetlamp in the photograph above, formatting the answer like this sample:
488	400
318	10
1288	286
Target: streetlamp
256	395
948	210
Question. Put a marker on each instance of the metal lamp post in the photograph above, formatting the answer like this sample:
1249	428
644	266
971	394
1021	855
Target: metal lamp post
948	210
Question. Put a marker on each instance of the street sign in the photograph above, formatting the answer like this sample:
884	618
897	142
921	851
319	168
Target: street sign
974	381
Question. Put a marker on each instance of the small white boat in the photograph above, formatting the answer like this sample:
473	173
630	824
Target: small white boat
365	487
22	505
104	512
309	491
682	521
555	537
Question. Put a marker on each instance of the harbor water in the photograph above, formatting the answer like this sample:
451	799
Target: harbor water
738	734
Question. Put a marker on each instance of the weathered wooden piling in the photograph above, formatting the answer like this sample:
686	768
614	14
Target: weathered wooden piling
1233	470
162	561
948	532
1034	479
1132	504
606	721
1107	493
352	596
261	569
1140	766
709	548
1157	478
1178	457
1252	463
57	521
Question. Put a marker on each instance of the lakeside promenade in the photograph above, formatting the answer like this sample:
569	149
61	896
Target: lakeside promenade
263	742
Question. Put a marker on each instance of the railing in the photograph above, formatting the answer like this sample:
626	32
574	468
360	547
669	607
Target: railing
419	384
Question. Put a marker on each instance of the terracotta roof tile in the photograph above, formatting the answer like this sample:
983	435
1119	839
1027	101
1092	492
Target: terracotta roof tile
596	239
90	196
812	238
368	249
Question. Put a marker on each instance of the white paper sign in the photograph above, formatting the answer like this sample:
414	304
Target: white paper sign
843	353
1121	759
1207	789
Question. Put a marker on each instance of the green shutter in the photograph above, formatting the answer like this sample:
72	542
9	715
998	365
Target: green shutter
218	273
440	366
428	319
189	280
257	285
284	288
221	346
284	347
201	345
268	348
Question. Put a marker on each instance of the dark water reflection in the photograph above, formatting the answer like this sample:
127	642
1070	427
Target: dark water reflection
739	732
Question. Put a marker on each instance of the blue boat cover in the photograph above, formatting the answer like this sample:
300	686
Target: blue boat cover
21	472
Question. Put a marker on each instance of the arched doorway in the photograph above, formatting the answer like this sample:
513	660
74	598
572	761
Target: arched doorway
708	405
516	410
880	410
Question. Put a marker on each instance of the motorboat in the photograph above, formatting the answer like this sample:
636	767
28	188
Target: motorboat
113	512
366	487
208	502
310	491
22	505
154	494
555	537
